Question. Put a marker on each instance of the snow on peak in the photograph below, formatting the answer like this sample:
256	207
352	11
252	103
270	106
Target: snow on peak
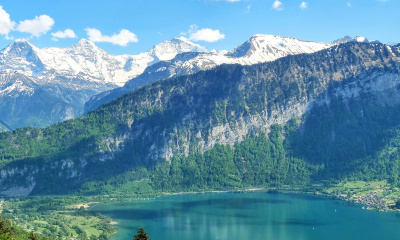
262	48
21	55
167	50
344	39
392	44
19	46
21	40
222	52
359	39
83	47
84	41
87	60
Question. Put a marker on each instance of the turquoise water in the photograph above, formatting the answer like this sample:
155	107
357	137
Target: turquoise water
250	216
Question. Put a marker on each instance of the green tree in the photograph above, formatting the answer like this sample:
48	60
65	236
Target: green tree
397	206
32	236
5	232
141	235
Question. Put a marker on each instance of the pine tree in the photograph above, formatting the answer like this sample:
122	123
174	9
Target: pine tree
32	236
142	235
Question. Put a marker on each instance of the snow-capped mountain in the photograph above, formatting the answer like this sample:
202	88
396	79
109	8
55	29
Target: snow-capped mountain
263	48
27	101
348	38
22	56
69	77
14	84
86	60
65	78
169	49
259	48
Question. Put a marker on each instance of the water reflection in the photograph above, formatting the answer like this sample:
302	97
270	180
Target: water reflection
256	216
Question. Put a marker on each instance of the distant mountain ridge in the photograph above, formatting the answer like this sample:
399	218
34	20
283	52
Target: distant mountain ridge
87	60
62	83
56	82
258	49
347	38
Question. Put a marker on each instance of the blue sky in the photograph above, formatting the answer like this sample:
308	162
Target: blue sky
220	24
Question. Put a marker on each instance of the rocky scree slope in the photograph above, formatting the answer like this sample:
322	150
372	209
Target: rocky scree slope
192	114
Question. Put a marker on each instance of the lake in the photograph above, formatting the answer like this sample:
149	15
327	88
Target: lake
245	216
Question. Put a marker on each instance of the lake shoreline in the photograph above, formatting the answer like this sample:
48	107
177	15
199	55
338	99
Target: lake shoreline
357	192
285	197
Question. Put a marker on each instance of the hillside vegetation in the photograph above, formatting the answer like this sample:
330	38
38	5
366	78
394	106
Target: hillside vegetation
324	116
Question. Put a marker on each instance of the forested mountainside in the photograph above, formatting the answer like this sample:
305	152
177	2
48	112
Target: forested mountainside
8	231
322	116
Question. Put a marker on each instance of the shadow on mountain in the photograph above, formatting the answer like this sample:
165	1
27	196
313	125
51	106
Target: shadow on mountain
350	136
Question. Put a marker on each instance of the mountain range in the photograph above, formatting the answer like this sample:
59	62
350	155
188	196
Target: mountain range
39	87
258	49
328	115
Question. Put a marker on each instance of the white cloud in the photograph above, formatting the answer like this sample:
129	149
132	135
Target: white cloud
277	5
36	27
383	0
248	8
6	25
303	5
122	38
207	35
348	4
67	33
192	29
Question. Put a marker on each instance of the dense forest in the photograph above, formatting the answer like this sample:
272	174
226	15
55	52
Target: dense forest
9	230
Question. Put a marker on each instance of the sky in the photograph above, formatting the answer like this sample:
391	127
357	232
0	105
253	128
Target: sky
134	26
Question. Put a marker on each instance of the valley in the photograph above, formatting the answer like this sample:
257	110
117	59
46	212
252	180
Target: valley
199	120
291	124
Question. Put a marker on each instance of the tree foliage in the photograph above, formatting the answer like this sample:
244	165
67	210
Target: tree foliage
141	235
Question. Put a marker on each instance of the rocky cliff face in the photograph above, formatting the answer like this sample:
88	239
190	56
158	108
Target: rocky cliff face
256	97
193	113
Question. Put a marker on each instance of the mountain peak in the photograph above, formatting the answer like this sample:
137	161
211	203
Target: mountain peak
20	48
359	39
167	50
270	47
21	40
85	42
344	39
21	44
85	47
